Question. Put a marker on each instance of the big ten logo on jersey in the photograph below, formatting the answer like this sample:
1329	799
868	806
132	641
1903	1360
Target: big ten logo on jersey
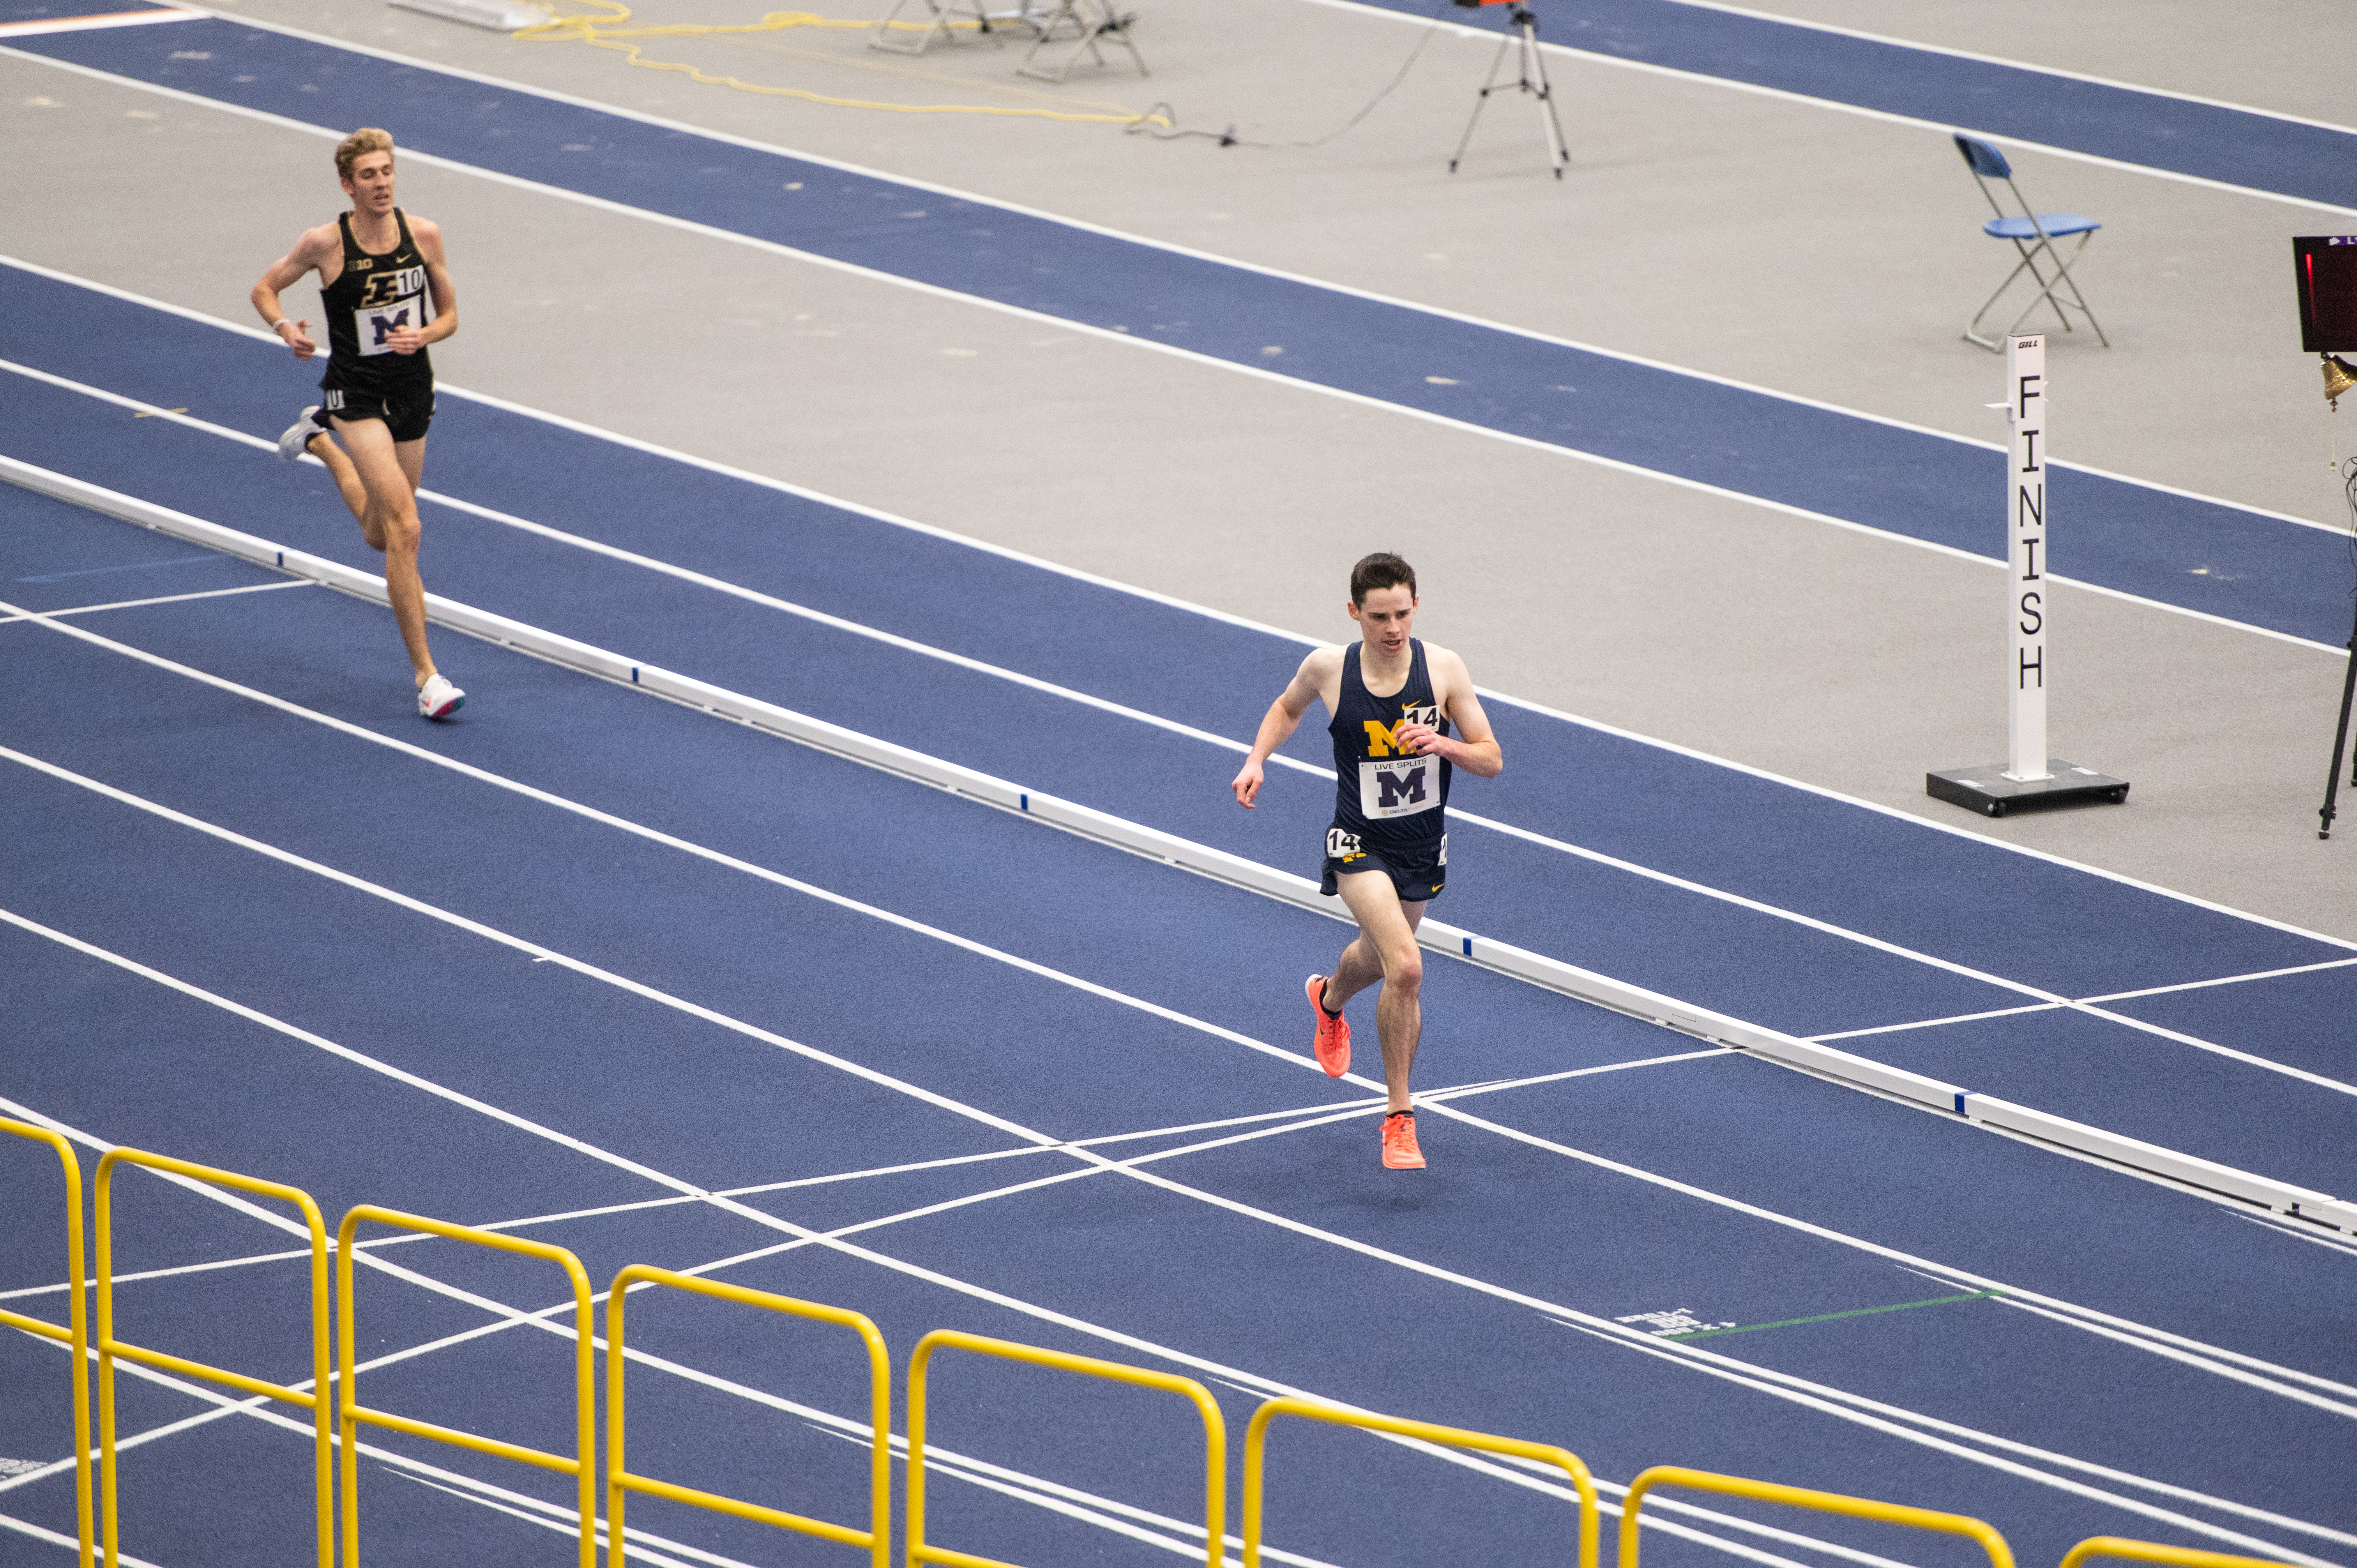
1342	846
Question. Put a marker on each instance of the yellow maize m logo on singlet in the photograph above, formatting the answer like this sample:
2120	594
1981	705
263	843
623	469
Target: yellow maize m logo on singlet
1383	739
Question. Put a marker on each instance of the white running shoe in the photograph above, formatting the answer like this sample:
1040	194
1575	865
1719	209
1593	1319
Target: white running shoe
437	699
296	439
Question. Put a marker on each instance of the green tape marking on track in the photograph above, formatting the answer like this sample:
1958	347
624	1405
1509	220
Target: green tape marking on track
1829	1317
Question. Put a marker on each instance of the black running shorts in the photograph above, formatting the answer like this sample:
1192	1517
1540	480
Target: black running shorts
1418	877
405	414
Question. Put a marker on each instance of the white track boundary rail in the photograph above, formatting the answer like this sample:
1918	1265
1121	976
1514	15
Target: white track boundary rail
1603	991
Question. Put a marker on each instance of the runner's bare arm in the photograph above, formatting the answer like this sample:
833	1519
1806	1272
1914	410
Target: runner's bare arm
1321	671
314	250
1474	747
409	339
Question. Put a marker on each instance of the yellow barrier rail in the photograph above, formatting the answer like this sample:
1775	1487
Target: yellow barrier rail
582	1466
1256	1443
2153	1551
76	1334
877	1539
2000	1555
1215	1435
109	1348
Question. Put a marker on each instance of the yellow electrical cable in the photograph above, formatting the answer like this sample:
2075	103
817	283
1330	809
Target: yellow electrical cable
604	32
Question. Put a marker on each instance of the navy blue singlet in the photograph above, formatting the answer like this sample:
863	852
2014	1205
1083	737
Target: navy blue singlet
1385	799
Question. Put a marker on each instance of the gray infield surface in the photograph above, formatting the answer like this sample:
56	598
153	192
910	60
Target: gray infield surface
1798	247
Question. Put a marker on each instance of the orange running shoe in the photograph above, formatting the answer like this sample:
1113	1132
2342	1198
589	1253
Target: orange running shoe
1332	1043
1400	1150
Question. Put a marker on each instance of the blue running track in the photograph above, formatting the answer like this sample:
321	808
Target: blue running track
2198	554
1870	875
2146	130
1539	1253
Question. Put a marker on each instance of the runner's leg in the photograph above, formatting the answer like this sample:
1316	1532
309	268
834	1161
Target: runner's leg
392	505
348	485
1383	950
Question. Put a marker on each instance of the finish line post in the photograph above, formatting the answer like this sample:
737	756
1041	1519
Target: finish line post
2029	777
2025	699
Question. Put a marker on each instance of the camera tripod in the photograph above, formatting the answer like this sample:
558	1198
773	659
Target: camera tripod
1533	80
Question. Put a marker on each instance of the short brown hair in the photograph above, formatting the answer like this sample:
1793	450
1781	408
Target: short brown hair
1381	570
352	148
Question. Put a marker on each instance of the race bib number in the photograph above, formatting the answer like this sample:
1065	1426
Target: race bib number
373	329
1341	845
1398	786
390	301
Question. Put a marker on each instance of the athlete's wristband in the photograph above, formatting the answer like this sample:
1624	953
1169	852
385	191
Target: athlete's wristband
278	324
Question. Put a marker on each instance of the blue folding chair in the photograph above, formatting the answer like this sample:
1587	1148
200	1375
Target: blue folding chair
2033	235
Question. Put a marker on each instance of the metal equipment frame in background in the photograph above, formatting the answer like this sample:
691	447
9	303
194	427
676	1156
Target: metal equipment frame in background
1531	80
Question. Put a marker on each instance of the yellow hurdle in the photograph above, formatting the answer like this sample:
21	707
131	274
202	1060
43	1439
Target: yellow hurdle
875	1540
76	1335
2153	1551
109	1348
582	1466
1256	1443
2000	1555
1215	1436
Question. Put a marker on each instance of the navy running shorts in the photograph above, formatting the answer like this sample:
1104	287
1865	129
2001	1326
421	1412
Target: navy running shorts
1419	877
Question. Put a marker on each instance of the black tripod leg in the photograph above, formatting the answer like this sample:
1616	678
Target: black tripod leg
2340	740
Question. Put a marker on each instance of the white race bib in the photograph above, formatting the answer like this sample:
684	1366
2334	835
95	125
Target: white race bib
390	300
373	329
1398	786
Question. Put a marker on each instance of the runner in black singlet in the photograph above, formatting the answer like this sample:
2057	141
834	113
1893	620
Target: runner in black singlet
372	299
387	293
1394	700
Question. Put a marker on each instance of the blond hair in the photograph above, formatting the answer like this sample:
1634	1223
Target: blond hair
360	142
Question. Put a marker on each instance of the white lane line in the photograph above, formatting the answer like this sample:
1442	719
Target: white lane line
1199	358
1661	1348
443	68
506	1318
1778	1385
2223	1364
1886	116
2300	1232
1563	847
166	600
1935	1023
2224	980
70	1543
1975	833
2208	1176
1068	693
2091	1004
1323	1113
1122	710
981	949
2056	71
1974	828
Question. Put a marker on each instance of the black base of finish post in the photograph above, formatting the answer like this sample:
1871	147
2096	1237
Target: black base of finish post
2340	740
1988	790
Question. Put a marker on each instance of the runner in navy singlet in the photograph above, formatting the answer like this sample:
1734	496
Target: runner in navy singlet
1394	700
386	293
